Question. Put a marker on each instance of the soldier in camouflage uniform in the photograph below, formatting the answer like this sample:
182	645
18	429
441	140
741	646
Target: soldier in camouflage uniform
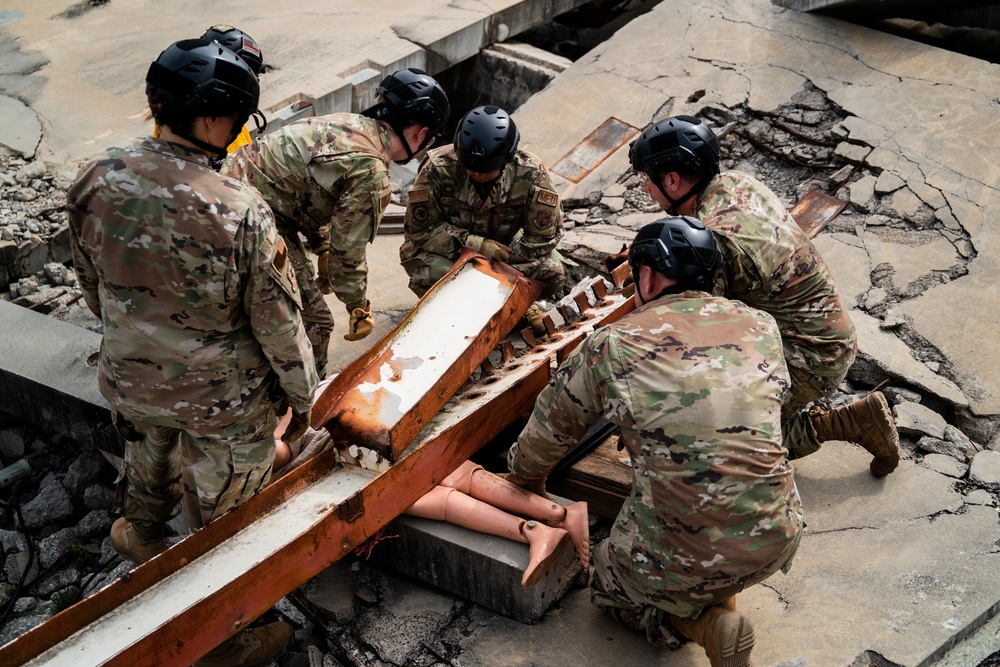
328	178
770	264
485	194
200	307
695	383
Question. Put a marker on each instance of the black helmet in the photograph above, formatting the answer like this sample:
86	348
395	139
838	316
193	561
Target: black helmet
201	78
681	248
683	144
411	96
196	77
239	43
416	98
486	139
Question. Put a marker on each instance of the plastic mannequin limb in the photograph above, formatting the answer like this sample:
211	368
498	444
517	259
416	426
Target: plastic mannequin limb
481	484
282	452
544	542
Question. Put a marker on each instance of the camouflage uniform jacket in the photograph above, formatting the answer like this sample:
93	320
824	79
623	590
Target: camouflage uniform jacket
695	384
771	264
444	208
327	177
191	280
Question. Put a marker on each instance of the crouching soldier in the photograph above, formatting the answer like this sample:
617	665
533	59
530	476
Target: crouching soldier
485	194
695	383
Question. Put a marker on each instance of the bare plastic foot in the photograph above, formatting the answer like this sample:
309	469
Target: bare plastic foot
577	524
544	546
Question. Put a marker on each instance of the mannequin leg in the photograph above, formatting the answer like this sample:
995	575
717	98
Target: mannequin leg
447	504
476	481
282	453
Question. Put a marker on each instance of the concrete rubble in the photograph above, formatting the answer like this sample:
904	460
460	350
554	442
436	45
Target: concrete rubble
899	571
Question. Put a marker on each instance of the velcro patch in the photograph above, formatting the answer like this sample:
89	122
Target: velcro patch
420	194
280	257
547	197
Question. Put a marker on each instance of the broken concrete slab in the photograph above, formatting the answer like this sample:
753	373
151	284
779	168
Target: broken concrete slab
20	132
601	238
893	356
482	568
60	394
985	470
912	256
849	264
917	420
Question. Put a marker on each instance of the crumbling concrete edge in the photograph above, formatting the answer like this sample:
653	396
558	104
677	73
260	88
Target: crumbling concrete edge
48	377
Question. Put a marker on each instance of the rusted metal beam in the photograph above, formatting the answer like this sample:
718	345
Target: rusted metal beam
179	605
387	395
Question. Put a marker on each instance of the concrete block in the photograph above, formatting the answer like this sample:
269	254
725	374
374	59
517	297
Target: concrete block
482	568
45	377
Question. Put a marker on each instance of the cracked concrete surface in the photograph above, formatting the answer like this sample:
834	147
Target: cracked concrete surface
923	120
898	568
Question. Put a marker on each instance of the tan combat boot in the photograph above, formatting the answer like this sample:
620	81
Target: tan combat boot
137	542
866	422
726	635
251	648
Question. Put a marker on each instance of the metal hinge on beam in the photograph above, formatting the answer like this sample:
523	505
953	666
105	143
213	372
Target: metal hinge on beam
351	509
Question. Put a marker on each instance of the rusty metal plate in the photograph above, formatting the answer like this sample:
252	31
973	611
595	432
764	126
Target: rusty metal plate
383	399
815	210
594	149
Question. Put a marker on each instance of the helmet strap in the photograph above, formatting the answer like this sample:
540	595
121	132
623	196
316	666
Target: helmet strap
213	151
695	189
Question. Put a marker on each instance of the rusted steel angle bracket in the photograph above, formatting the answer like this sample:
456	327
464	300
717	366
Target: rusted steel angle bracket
176	607
386	396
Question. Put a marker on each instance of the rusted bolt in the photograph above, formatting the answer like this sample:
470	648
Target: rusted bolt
345	546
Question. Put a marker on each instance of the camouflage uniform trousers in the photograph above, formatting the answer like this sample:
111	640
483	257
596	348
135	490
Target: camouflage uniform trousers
211	472
629	604
317	318
426	268
798	435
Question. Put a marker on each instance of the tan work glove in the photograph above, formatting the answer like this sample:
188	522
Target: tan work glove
628	287
535	317
362	323
489	248
323	279
535	486
297	425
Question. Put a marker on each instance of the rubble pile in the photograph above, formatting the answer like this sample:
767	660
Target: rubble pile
34	239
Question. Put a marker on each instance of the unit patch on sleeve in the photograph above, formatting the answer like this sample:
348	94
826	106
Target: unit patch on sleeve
547	197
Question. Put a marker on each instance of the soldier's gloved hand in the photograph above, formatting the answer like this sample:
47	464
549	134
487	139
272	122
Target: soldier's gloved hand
362	323
297	426
323	279
488	247
535	486
495	250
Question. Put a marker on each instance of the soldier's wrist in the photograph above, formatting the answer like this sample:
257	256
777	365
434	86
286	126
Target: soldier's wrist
475	242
